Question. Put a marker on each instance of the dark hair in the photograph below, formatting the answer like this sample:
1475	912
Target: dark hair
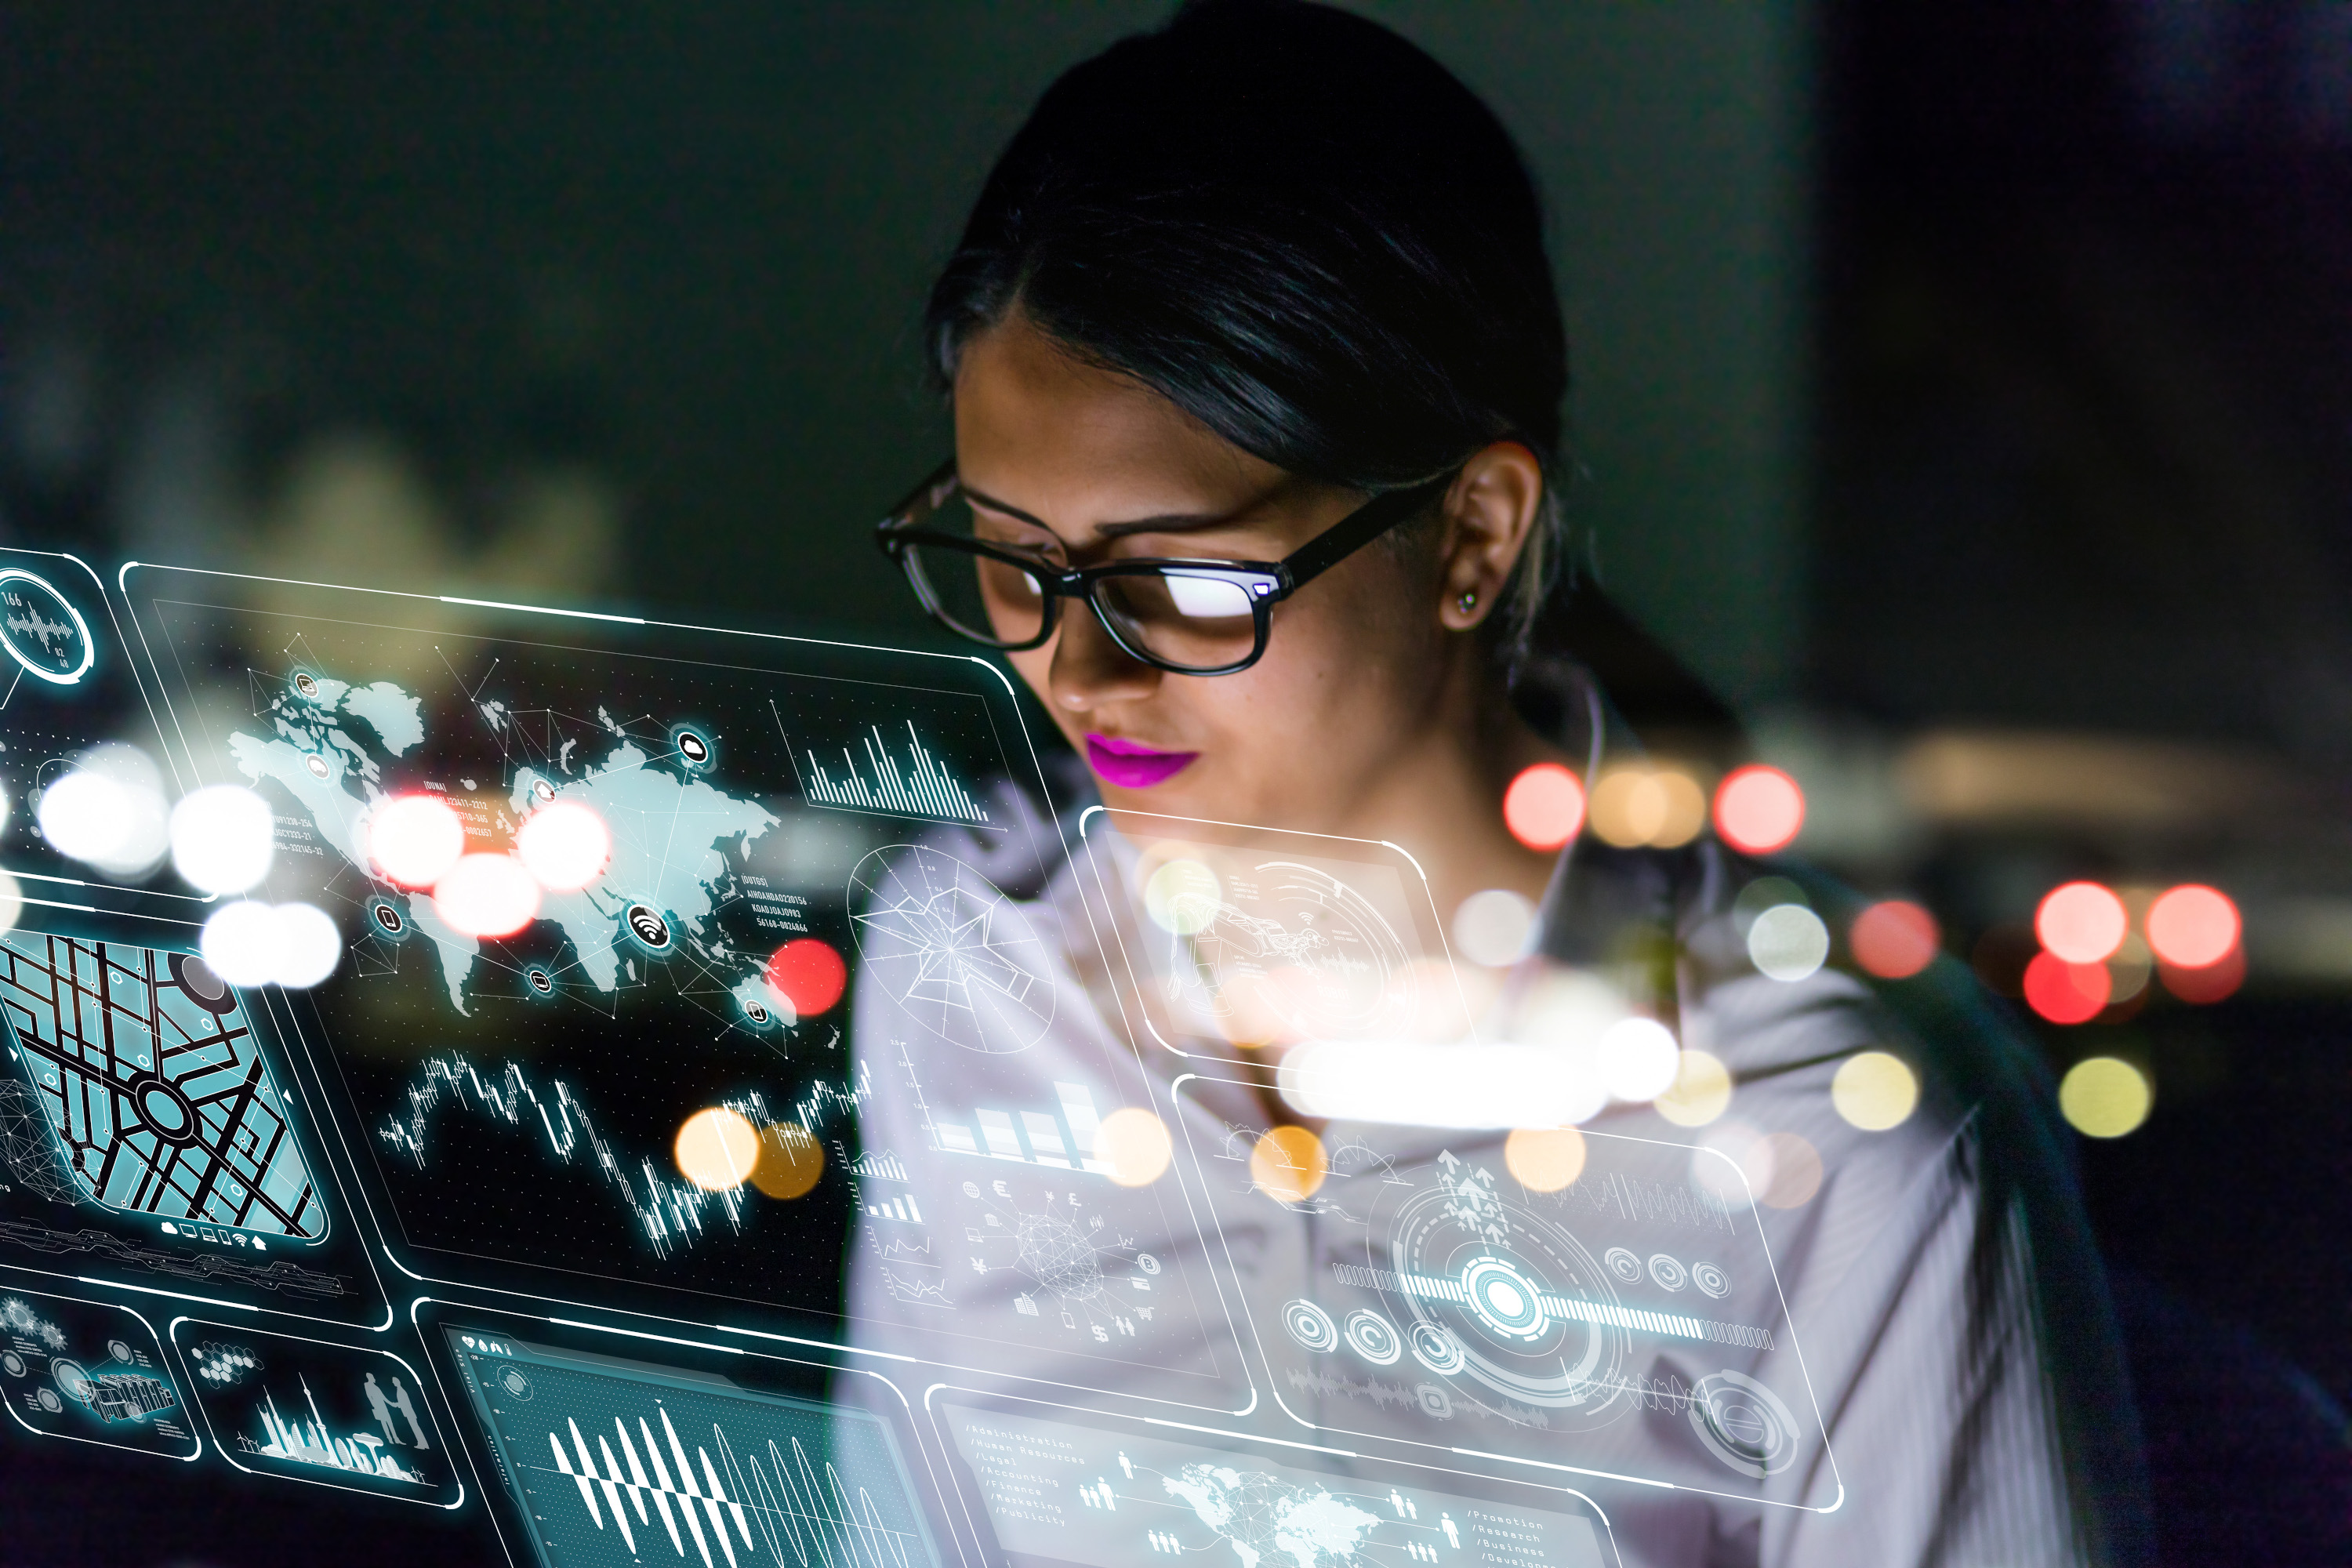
1301	230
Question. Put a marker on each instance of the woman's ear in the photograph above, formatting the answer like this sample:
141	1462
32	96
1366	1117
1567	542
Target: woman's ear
1490	514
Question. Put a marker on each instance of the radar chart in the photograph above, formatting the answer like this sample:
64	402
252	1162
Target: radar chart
950	949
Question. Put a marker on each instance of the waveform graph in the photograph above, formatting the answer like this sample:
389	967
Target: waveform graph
871	776
615	1462
958	956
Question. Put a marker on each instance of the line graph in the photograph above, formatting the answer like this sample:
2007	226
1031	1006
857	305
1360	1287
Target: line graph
609	1461
922	787
671	1214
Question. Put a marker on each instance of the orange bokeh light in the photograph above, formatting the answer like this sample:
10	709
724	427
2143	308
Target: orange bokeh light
809	974
2066	993
1895	940
2193	926
1759	809
2082	922
1544	806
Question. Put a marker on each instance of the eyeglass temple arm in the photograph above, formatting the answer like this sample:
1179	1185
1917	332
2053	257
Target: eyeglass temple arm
926	497
1357	529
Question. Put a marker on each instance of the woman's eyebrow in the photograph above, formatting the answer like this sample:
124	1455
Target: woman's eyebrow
1167	523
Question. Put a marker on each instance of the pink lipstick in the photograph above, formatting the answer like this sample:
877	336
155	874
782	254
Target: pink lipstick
1130	764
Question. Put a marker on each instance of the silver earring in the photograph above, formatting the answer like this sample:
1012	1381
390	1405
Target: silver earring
1467	602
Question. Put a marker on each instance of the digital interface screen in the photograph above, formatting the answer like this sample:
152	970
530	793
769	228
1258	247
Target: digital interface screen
660	1093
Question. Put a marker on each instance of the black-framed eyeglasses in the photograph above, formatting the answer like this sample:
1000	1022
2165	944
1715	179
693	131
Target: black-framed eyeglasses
1189	617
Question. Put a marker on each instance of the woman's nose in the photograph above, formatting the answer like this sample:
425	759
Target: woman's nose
1089	669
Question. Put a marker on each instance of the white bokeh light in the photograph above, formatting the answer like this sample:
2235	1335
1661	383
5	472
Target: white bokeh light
1788	943
109	811
486	895
564	845
309	945
1638	1059
415	839
221	838
1497	928
243	942
84	815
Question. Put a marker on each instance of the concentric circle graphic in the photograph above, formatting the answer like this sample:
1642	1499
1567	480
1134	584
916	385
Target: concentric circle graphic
1624	1265
1374	1337
1436	1348
1503	1295
1668	1272
1309	1324
1711	1279
1743	1424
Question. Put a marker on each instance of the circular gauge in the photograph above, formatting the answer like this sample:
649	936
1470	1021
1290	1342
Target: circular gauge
1311	1325
1374	1337
41	629
1711	1279
1624	1265
1743	1424
1504	1296
1436	1348
1668	1272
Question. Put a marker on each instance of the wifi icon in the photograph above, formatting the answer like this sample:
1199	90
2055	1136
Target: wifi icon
647	925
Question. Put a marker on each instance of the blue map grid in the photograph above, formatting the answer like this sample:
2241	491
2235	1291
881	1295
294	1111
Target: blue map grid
158	1094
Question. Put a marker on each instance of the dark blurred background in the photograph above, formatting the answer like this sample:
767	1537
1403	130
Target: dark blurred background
1963	390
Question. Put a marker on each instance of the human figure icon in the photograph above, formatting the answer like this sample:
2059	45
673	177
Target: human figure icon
380	1409
1453	1533
400	1403
1127	1464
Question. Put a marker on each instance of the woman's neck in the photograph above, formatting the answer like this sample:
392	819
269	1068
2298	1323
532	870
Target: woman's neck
1440	799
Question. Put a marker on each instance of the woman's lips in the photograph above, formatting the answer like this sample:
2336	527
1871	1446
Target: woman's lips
1130	764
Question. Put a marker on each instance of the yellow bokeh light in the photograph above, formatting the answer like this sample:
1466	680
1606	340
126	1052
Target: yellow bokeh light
1183	896
1639	804
1874	1090
2104	1096
717	1149
1134	1144
1701	1091
1288	1164
790	1161
1545	1159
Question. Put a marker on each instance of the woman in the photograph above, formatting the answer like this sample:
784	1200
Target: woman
1270	287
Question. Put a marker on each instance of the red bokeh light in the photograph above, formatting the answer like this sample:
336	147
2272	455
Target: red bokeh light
809	974
413	839
2082	922
1895	940
1544	806
1759	809
2066	993
2208	983
2192	926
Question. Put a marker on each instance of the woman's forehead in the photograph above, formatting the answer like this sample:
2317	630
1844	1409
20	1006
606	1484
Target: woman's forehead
1077	446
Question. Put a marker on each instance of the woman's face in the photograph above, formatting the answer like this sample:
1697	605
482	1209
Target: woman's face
1360	669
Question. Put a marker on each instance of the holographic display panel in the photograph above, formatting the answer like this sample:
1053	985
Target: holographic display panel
612	1461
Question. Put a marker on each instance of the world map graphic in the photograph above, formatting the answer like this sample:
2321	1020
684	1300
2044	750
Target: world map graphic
328	747
1268	1521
